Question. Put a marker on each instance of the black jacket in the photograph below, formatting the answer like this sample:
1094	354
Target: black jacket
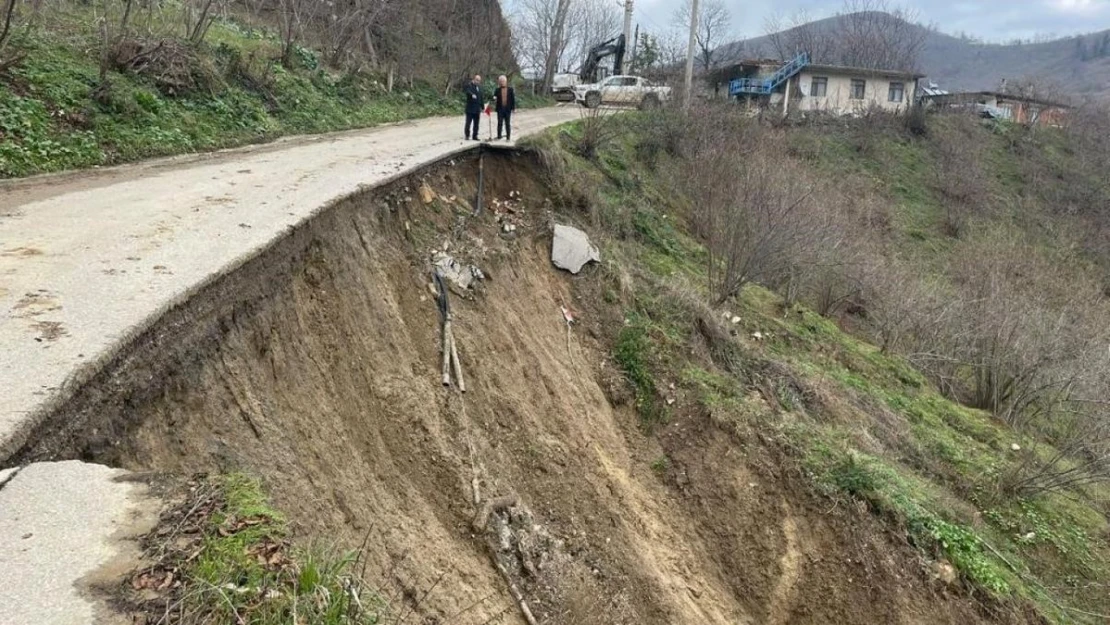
475	101
508	105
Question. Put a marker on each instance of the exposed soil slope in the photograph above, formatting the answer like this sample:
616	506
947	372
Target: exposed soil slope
316	366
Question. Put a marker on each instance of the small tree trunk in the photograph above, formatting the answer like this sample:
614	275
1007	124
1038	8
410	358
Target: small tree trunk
200	28
555	44
9	15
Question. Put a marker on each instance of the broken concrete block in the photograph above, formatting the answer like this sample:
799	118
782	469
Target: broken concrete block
456	273
571	249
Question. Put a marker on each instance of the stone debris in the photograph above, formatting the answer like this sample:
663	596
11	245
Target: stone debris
426	194
523	546
571	249
944	572
457	274
509	213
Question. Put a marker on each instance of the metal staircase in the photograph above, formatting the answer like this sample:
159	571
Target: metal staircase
766	86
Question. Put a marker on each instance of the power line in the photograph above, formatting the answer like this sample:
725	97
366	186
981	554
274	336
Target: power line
643	14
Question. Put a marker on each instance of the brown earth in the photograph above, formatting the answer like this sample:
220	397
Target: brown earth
316	366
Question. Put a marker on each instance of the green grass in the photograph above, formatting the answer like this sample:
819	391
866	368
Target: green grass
937	473
55	114
242	574
633	354
864	425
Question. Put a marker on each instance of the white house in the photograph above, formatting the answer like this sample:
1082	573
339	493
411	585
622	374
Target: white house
804	86
848	90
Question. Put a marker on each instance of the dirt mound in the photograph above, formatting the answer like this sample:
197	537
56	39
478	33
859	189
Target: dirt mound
316	366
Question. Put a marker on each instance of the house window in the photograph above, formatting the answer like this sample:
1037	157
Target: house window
897	91
859	89
819	88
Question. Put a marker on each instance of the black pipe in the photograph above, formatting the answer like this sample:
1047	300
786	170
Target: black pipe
481	179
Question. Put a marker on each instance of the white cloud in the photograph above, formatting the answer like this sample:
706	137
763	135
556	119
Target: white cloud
1078	6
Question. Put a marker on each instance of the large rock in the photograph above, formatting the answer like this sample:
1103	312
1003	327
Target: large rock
571	249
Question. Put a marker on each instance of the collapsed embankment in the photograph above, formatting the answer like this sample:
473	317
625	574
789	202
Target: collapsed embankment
316	367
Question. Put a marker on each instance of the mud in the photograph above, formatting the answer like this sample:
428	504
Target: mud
316	366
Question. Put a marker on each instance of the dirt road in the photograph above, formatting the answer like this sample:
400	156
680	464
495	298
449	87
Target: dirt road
88	260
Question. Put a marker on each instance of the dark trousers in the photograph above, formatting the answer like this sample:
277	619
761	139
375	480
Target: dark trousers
505	118
476	120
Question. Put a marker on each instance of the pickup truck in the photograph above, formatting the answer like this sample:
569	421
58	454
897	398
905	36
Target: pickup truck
623	91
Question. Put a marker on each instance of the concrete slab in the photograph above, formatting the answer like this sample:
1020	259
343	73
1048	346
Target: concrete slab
7	474
88	261
62	526
571	249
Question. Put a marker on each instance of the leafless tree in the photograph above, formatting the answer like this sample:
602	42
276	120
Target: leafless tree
591	23
961	178
798	33
347	29
199	15
475	22
554	35
294	18
714	28
874	34
878	34
9	18
672	48
112	34
540	35
557	42
757	209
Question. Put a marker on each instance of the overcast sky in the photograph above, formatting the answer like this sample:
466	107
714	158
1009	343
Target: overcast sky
995	20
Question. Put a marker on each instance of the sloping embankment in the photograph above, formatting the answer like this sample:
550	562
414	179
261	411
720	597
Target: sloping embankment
316	366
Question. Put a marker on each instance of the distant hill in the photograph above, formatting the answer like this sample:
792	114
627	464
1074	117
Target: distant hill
1078	65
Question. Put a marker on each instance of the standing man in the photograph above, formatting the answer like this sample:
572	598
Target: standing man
504	100
474	102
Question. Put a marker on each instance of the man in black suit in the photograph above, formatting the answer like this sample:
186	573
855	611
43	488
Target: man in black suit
474	102
504	101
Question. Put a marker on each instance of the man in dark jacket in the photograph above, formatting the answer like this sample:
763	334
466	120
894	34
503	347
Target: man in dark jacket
474	106
504	101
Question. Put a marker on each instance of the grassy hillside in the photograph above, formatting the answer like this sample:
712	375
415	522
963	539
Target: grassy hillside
853	398
58	112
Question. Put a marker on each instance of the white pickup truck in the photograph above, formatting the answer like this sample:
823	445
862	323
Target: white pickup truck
623	91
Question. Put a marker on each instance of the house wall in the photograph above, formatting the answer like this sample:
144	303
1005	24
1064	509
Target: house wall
1053	116
838	95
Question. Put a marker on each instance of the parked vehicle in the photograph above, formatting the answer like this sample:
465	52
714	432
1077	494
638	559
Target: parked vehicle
622	91
591	70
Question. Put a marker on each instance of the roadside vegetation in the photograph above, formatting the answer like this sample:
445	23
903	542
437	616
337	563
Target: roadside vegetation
85	84
223	556
916	313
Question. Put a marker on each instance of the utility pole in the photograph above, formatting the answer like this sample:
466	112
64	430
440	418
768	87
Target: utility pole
690	54
628	23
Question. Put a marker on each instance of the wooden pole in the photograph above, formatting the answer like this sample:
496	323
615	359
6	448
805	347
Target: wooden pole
446	369
458	367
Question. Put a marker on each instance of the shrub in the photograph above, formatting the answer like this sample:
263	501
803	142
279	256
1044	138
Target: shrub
597	130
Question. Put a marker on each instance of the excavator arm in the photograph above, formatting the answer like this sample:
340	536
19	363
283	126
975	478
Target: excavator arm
613	47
